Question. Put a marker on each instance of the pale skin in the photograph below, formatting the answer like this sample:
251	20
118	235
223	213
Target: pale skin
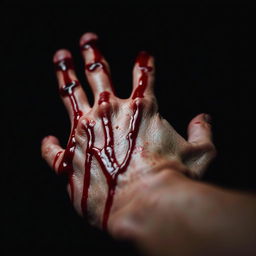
157	202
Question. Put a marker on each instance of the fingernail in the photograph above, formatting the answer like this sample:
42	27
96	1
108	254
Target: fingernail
87	38
207	118
61	55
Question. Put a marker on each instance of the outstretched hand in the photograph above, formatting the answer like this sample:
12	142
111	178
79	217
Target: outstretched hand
117	141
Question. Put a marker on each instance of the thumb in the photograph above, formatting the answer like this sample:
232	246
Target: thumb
200	138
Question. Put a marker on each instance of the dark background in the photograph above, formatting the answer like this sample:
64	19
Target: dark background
203	65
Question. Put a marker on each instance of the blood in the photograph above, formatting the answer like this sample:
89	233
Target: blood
55	159
67	90
142	61
97	63
104	97
105	156
88	161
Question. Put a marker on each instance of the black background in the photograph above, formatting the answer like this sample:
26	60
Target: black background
203	65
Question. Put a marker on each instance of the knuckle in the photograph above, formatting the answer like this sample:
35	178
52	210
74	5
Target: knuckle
96	67
81	126
106	105
209	148
212	151
197	150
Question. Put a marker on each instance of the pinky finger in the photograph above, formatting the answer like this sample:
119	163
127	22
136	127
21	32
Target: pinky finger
52	152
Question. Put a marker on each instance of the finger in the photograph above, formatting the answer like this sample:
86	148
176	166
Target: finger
96	67
52	152
71	91
203	149
199	130
143	75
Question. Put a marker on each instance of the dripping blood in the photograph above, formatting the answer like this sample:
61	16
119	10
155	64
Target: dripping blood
106	157
142	62
67	90
98	62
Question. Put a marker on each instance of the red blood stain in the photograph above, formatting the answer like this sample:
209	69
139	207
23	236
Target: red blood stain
105	156
67	90
104	97
142	61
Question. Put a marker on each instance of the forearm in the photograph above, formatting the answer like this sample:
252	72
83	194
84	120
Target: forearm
170	214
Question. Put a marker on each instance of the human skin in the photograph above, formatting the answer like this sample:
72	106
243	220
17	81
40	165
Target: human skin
176	215
157	183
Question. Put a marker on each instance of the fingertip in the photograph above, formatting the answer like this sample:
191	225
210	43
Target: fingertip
200	119
50	139
87	37
199	128
51	150
143	74
144	63
144	59
61	54
44	140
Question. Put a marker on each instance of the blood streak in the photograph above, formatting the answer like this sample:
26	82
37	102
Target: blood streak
104	97
142	61
97	63
67	90
105	156
55	159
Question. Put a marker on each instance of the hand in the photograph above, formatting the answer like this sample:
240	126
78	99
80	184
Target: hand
117	140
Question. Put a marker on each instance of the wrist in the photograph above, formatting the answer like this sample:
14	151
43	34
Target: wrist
139	198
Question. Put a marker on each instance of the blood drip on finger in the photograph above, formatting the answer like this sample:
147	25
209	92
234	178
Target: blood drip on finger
97	62
67	90
110	166
142	62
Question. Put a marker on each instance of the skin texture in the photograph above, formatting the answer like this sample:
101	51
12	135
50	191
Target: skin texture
157	203
158	145
175	215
